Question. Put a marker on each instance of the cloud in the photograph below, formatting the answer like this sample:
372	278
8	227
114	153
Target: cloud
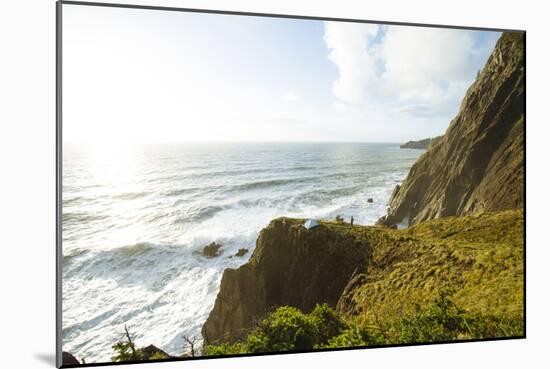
422	63
377	64
348	44
292	97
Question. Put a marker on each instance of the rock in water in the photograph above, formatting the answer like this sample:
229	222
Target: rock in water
478	165
211	250
241	252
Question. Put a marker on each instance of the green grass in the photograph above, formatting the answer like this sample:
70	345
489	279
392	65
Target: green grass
480	257
289	329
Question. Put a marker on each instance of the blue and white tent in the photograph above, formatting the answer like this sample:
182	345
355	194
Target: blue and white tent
311	223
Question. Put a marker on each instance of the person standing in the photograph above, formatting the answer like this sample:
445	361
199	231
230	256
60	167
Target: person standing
351	221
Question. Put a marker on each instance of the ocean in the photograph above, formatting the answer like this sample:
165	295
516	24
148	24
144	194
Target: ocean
136	218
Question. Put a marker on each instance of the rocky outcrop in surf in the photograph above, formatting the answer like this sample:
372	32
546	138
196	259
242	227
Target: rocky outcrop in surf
478	165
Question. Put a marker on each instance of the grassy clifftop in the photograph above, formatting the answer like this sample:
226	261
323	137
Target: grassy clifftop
479	257
377	274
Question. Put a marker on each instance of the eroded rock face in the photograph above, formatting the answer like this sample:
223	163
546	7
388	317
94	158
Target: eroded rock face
290	266
478	165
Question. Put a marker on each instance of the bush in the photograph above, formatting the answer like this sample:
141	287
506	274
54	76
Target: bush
444	321
225	349
441	321
327	323
349	338
285	329
124	351
289	329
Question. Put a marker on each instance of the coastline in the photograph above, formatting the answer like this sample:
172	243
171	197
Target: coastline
461	259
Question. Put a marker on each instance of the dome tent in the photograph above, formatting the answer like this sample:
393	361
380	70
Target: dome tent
311	223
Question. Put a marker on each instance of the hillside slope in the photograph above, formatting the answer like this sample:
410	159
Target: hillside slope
478	165
374	270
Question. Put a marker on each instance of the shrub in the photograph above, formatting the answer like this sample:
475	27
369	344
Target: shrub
225	349
441	321
289	329
327	323
125	349
285	329
444	321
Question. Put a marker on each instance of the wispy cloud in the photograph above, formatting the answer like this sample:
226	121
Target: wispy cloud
292	97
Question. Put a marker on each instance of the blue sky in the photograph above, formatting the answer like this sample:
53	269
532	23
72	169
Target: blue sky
155	76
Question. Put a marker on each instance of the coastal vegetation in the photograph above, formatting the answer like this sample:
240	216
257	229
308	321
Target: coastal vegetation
453	278
289	329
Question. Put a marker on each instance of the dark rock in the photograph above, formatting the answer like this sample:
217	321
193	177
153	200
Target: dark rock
211	250
383	222
370	199
478	165
151	350
241	252
69	359
289	266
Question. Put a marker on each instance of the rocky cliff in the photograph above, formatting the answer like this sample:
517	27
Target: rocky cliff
476	169
290	266
375	270
478	165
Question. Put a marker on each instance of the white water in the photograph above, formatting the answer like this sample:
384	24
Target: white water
134	219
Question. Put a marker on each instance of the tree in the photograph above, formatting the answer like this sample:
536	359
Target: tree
189	347
125	349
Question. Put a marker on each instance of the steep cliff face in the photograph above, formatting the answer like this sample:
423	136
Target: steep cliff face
478	165
374	270
290	266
